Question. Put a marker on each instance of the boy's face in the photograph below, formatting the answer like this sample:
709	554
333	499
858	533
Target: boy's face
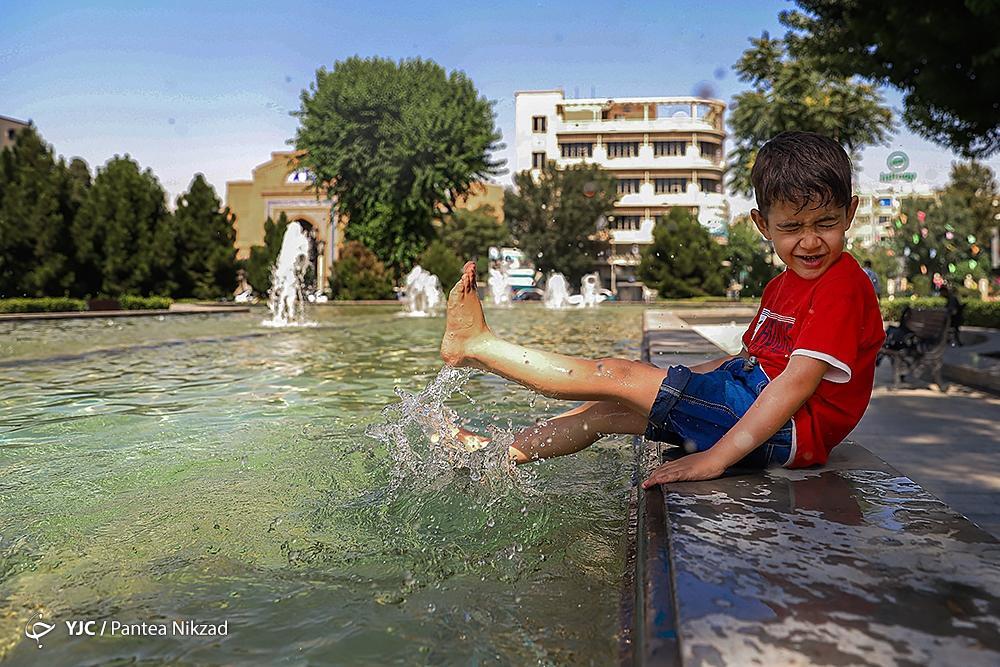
809	240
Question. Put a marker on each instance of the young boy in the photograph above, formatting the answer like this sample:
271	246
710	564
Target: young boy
800	385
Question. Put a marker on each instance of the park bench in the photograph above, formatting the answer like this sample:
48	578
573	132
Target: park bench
917	344
851	563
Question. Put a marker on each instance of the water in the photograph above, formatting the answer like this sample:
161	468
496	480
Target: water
424	296
209	468
556	292
498	283
285	300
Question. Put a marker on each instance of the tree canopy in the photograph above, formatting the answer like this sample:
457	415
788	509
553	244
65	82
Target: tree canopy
788	93
125	239
470	234
749	254
206	257
683	260
395	142
555	218
943	56
39	196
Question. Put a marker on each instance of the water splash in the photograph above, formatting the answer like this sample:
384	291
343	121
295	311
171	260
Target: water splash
499	284
421	433
285	300
556	292
423	293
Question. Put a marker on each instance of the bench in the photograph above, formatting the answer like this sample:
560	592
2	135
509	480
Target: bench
917	344
851	563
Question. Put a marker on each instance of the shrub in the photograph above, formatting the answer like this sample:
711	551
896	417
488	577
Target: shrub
442	261
144	302
359	274
42	305
976	313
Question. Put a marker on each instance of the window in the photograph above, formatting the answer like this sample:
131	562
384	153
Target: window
577	149
11	134
626	223
885	202
628	186
664	186
539	123
665	148
538	160
883	220
709	150
709	185
623	149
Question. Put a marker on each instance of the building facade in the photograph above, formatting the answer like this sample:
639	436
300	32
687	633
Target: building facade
280	185
664	151
874	221
9	127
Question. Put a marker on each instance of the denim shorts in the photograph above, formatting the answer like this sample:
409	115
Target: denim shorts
698	409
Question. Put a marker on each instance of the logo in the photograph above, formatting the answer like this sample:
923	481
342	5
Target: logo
37	629
897	161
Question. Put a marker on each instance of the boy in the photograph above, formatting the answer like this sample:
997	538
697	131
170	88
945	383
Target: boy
800	384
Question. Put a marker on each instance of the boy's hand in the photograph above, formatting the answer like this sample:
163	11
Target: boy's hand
690	468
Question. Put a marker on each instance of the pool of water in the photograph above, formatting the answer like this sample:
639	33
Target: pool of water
207	468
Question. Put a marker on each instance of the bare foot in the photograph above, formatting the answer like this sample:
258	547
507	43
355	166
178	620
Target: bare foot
466	323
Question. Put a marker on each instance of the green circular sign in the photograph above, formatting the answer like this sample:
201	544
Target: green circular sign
897	161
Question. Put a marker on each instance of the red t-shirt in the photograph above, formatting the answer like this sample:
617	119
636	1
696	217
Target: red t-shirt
834	318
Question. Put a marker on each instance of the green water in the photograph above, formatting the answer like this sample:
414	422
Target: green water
207	468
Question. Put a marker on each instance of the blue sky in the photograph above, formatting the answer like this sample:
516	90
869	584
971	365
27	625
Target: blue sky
188	87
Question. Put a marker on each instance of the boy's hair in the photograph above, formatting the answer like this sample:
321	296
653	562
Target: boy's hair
799	167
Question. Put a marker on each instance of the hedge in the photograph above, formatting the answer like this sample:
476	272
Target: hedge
47	304
976	313
144	302
58	304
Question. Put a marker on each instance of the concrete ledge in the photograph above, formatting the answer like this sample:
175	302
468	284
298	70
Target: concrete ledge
181	309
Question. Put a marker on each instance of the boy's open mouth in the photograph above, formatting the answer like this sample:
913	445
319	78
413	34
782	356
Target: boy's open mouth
811	259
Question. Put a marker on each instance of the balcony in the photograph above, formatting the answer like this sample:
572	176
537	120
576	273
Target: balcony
638	125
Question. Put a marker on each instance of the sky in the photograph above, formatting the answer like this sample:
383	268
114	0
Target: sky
188	87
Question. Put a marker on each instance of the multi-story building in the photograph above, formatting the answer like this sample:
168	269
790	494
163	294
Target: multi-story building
877	212
9	127
664	151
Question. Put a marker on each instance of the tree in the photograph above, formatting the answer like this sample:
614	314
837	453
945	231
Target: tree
749	255
393	142
555	217
683	260
124	234
942	56
260	263
36	209
789	94
206	257
950	235
442	261
470	234
359	275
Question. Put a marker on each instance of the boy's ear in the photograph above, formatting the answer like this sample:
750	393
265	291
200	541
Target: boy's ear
852	208
761	223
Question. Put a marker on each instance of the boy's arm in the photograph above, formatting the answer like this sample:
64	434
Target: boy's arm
780	399
709	366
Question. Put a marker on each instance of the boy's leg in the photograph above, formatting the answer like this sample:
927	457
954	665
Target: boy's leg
469	342
569	432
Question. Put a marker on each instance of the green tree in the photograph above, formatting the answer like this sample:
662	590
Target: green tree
124	234
470	234
36	209
789	94
943	56
260	263
749	255
884	261
442	261
555	217
394	142
359	274
683	260
206	256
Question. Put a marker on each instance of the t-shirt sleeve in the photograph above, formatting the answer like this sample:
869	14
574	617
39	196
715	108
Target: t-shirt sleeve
832	331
